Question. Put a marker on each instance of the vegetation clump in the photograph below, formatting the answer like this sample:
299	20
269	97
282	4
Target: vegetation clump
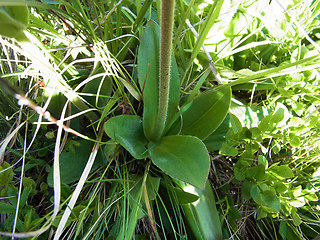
172	119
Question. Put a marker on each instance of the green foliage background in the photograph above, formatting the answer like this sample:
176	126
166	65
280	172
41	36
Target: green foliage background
239	154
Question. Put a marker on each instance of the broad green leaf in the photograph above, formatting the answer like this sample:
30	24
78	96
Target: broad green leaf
182	196
148	74
73	160
256	194
296	218
246	188
248	155
228	150
280	187
283	229
283	171
13	21
6	208
256	172
261	213
206	113
235	123
240	169
256	134
271	200
294	140
182	157
217	138
127	130
233	214
263	161
202	215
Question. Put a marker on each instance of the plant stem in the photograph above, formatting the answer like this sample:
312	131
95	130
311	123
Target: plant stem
167	19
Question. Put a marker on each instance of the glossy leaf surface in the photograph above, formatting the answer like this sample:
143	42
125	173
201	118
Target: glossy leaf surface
148	73
182	157
206	113
127	130
202	215
182	196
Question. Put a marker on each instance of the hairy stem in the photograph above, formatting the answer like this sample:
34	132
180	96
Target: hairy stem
167	19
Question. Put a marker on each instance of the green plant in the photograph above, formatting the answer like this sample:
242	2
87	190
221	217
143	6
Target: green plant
155	135
93	61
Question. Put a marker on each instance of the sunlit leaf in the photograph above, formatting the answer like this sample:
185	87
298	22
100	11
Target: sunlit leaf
271	200
228	150
183	197
294	140
283	171
262	161
202	215
13	21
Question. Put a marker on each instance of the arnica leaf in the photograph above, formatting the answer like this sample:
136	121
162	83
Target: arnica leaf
127	130
13	21
206	113
182	157
148	74
218	137
202	215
